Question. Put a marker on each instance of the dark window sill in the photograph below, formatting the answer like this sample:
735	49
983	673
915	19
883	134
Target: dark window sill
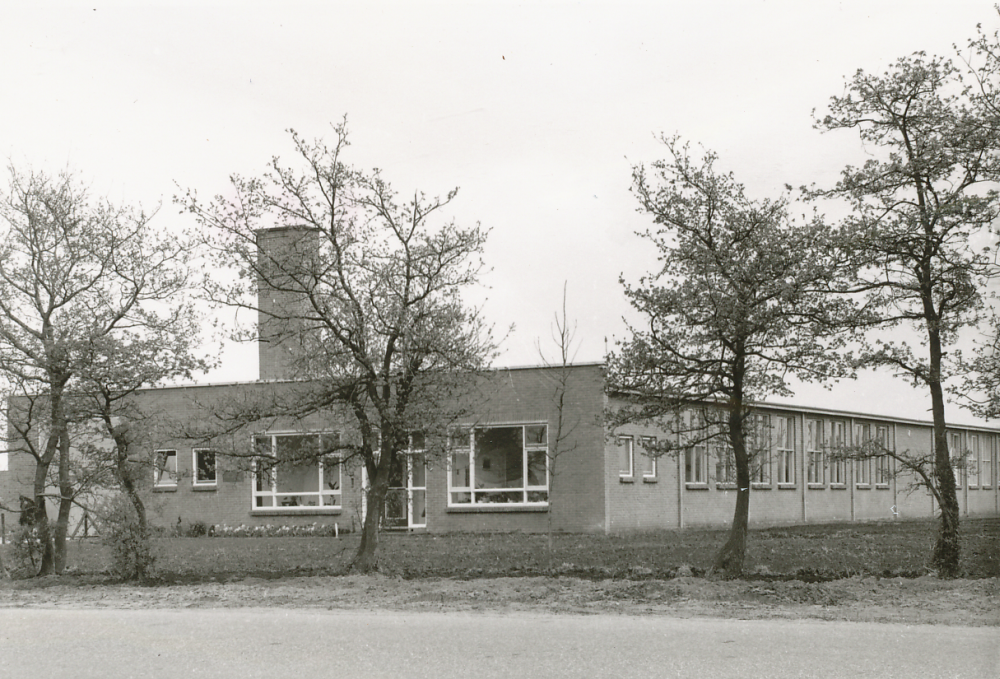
786	486
496	508
204	487
649	479
165	489
295	511
696	486
626	479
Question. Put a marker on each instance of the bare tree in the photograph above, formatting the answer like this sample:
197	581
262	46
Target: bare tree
737	307
74	271
562	338
361	298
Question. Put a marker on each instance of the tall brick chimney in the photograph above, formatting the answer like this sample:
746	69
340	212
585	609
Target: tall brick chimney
283	254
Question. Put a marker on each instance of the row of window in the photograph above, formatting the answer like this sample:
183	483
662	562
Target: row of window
165	472
487	466
771	444
974	459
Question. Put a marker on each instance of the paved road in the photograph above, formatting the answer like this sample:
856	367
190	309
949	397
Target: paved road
279	643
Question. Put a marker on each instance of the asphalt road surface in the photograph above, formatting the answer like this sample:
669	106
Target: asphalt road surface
280	643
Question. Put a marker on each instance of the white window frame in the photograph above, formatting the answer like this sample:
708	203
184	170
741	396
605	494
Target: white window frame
326	498
696	466
760	470
648	443
162	469
785	451
986	473
862	467
972	448
815	457
956	451
883	463
838	441
207	483
725	464
626	452
475	494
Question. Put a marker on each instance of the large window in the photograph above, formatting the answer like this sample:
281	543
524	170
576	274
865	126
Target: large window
499	465
203	464
785	450
165	468
816	471
296	470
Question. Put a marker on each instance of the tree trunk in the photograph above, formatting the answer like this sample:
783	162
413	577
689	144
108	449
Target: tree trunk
127	484
65	502
39	520
730	558
946	550
366	558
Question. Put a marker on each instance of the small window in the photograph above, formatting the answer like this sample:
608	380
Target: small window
648	456
759	449
786	451
626	456
838	442
816	470
862	467
883	469
956	451
204	468
165	468
696	465
725	464
972	461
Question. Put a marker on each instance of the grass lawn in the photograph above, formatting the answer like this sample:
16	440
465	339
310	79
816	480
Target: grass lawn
813	552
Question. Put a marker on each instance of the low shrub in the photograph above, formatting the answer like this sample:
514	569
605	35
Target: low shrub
129	541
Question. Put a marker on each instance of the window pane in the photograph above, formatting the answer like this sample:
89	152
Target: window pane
298	468
535	435
459	470
419	471
205	466
418	441
536	468
499	458
625	453
166	467
419	507
499	497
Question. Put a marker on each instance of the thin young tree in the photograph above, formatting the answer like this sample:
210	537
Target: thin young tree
560	379
362	300
736	309
923	193
74	270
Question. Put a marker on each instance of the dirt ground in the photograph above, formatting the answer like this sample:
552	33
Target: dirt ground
925	600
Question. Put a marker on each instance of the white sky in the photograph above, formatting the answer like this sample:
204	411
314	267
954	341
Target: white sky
536	110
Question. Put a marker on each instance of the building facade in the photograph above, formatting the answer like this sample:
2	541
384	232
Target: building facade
509	467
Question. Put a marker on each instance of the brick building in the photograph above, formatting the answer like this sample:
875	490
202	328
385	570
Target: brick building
502	469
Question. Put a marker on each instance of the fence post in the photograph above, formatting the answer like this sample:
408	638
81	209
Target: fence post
3	529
